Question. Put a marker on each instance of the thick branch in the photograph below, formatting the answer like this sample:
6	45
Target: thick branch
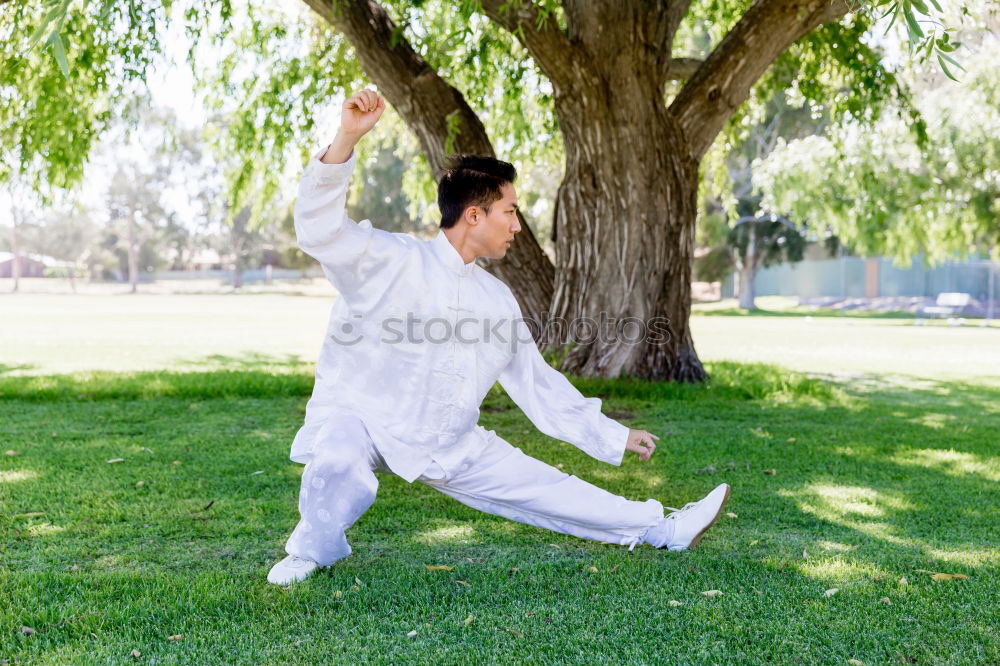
723	82
548	45
425	101
680	69
413	88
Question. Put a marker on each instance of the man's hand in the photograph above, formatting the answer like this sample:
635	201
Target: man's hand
358	116
641	441
361	112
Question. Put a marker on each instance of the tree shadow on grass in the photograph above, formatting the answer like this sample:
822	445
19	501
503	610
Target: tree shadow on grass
7	369
288	380
249	360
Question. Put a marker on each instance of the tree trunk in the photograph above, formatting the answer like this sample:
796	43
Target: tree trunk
15	241
133	256
625	220
748	270
747	292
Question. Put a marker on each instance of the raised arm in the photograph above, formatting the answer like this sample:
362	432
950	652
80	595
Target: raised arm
351	253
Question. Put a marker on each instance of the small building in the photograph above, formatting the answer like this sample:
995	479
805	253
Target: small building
206	260
31	265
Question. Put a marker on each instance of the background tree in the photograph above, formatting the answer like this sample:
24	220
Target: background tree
740	235
381	195
881	194
16	194
632	138
137	217
69	233
242	245
760	241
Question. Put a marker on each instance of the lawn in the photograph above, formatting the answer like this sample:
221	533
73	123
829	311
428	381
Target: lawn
848	346
879	481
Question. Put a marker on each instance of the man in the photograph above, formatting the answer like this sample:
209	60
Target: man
417	337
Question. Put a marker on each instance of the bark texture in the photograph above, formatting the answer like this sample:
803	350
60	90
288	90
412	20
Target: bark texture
626	209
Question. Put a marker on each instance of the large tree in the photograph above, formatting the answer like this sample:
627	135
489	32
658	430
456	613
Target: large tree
640	90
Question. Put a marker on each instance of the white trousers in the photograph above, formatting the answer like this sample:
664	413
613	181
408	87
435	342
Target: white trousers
339	484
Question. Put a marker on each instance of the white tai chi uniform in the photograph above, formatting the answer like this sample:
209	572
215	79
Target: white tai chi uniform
414	342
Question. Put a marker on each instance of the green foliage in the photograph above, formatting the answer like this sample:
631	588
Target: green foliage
276	75
50	120
280	73
495	75
833	75
713	266
280	70
935	42
882	193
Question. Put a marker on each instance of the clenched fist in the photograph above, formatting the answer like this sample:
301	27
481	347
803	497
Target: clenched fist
641	442
361	112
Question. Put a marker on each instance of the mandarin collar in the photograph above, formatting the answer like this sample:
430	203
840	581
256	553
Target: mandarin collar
449	256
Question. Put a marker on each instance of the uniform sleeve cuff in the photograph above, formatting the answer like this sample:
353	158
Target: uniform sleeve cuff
325	170
616	436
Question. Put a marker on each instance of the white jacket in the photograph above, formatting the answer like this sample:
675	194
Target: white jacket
416	340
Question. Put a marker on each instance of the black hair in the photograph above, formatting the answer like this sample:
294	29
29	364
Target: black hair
471	180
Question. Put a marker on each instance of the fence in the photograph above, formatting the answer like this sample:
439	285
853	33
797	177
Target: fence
249	276
856	277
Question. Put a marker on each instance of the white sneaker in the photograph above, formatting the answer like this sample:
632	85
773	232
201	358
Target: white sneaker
291	569
694	518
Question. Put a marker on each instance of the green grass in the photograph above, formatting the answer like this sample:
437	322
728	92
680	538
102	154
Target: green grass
874	481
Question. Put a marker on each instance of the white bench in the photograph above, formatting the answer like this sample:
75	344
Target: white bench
948	303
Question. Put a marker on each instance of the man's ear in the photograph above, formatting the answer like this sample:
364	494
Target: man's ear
472	214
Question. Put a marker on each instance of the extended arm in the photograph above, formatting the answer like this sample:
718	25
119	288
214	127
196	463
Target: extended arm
555	406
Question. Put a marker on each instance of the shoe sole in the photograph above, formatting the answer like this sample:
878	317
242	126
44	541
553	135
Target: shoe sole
697	538
289	581
296	579
292	581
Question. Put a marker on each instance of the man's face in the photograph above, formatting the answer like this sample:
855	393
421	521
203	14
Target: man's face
494	232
